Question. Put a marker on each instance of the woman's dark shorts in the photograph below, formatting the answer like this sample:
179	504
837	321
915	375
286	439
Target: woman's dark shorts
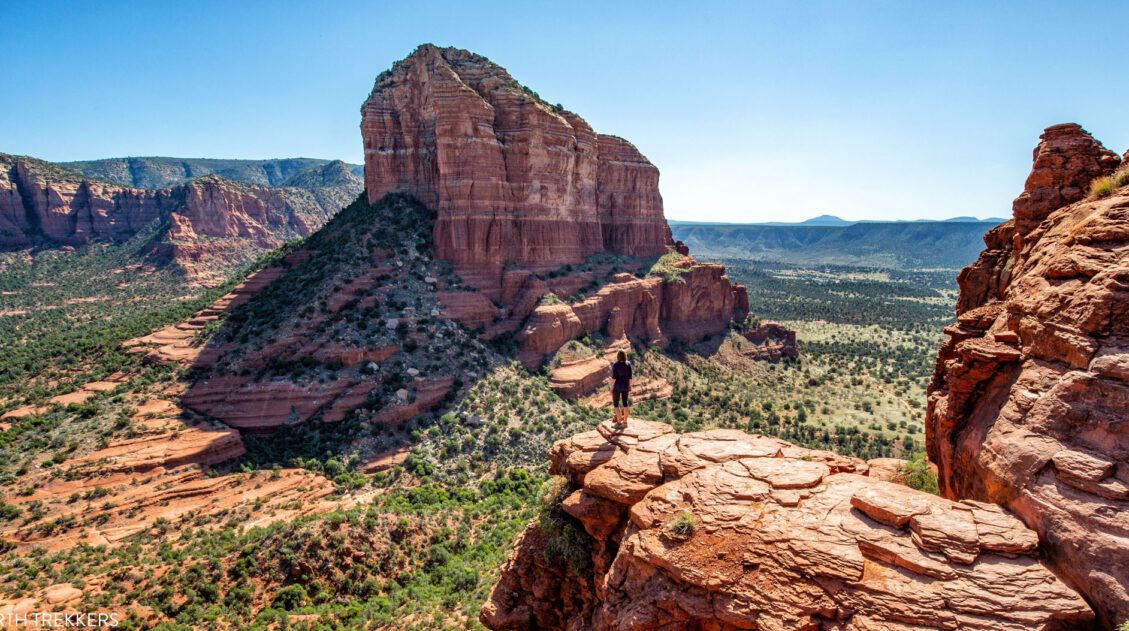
619	399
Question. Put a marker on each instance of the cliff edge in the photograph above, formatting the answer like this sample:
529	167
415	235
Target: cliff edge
1028	402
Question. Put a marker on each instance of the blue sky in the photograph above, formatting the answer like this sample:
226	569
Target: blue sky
753	111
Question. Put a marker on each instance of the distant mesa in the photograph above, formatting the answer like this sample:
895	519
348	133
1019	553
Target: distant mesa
826	220
208	225
893	245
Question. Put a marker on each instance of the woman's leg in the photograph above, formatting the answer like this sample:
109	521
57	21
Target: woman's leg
619	399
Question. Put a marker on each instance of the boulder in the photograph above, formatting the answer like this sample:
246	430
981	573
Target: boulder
725	531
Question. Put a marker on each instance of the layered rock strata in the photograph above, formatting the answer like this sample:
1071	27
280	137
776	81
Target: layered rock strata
1028	402
724	530
656	310
205	222
524	191
514	179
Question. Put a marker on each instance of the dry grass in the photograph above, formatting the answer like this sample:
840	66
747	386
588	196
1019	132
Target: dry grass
1106	185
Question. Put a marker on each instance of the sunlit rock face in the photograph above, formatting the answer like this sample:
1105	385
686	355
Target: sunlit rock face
724	530
209	225
514	179
1028	401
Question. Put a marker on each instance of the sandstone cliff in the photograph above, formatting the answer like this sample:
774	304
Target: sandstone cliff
724	530
527	196
1028	401
205	223
514	179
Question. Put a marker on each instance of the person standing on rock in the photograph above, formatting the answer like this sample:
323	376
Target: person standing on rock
621	387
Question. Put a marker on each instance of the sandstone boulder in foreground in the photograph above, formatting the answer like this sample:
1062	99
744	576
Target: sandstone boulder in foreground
779	537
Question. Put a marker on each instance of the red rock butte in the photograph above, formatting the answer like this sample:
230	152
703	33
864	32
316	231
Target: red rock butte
522	190
514	179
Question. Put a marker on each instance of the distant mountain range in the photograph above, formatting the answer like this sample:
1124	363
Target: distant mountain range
828	240
161	172
832	220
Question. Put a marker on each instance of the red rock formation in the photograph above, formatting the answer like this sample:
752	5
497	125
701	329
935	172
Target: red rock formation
773	537
521	188
209	222
1066	160
772	341
514	179
698	304
1028	401
161	471
576	378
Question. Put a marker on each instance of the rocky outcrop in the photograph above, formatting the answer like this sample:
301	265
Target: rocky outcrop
772	341
162	471
205	223
725	530
1066	160
1028	402
514	180
699	303
576	378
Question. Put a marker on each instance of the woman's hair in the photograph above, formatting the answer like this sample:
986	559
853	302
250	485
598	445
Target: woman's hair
621	356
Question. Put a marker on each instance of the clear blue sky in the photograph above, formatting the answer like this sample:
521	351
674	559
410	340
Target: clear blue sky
753	111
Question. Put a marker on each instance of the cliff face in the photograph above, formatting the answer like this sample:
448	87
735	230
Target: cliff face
525	192
514	180
724	530
653	309
206	222
1028	401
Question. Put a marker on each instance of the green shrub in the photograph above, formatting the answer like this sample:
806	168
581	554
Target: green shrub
1102	187
666	266
919	475
549	299
8	511
682	525
290	597
564	540
1124	626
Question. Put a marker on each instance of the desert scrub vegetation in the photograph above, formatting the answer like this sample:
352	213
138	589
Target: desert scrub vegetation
682	526
919	474
667	266
64	314
1105	186
807	402
416	558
